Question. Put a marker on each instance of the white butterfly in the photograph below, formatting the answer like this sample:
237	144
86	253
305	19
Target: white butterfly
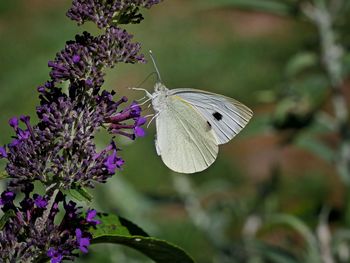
192	123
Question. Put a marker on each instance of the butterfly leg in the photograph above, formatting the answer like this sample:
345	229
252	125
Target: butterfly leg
144	97
149	95
145	102
154	116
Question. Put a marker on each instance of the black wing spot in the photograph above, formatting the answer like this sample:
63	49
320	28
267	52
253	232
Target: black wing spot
217	116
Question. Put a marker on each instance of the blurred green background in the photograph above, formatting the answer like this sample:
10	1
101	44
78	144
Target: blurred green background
283	162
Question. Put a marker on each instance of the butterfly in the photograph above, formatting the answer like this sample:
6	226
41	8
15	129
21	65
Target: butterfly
191	124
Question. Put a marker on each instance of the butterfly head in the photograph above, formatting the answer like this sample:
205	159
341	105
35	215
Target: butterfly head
160	88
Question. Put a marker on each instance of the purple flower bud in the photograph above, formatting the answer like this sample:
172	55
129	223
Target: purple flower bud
135	109
76	58
41	89
25	118
141	121
13	122
139	132
3	153
88	82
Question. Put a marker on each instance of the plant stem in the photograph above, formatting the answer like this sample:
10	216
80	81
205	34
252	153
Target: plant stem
202	219
332	54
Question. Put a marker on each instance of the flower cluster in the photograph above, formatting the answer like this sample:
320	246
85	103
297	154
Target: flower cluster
59	150
84	59
31	231
105	13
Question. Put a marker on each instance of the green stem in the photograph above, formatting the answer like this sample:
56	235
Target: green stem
332	54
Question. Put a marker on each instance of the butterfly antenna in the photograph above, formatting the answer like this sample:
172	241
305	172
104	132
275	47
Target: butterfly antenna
142	82
155	65
148	95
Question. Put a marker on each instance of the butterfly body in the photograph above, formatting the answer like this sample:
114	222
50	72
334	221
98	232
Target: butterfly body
159	97
192	123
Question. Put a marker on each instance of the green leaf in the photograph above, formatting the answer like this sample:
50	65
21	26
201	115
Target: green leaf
114	229
300	62
314	86
275	254
6	217
312	249
317	147
3	175
80	194
133	229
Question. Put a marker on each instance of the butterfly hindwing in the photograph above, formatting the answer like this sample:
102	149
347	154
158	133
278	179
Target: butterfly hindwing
185	140
226	115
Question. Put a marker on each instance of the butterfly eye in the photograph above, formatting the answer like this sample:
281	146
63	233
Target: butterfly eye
217	116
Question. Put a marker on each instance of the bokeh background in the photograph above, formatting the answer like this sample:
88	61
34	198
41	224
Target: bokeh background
279	192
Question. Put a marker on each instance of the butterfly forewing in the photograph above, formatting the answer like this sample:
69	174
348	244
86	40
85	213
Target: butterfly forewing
226	115
185	140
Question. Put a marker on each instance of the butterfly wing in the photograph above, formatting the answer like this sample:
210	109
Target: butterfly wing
185	141
226	115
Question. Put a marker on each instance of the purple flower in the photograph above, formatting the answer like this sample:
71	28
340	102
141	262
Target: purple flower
91	214
23	152
42	228
7	197
21	135
59	150
13	122
67	128
86	58
139	131
83	242
25	119
54	255
40	201
68	122
104	13
3	153
118	123
111	162
76	58
75	62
